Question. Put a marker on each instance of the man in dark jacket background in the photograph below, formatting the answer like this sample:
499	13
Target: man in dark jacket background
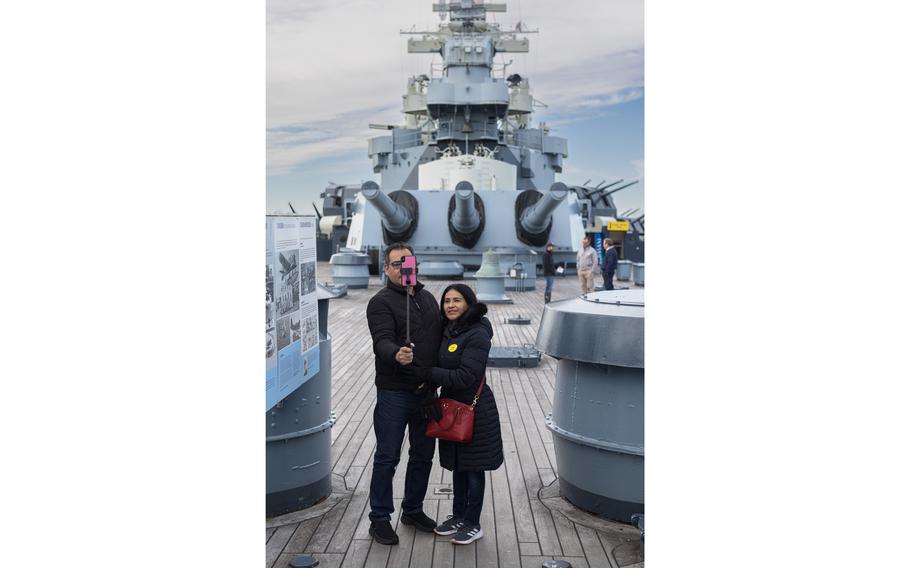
611	260
400	395
549	271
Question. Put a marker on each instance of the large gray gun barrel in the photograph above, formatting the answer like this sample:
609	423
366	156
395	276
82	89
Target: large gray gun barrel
465	219
395	218
536	218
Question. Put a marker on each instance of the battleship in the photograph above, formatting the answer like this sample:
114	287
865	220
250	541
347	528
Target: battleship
570	492
468	150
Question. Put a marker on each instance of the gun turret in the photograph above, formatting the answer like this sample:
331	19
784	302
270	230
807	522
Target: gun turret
533	211
398	211
466	215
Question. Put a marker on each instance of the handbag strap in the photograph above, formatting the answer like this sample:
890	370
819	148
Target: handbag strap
477	395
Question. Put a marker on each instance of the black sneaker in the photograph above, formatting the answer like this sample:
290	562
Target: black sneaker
383	533
467	533
449	526
419	521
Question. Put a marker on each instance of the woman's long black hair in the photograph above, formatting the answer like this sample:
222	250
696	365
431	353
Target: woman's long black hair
469	297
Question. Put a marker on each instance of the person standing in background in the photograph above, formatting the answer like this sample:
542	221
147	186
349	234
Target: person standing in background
611	259
585	263
549	271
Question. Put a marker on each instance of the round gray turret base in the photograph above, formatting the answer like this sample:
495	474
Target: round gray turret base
351	268
298	442
598	408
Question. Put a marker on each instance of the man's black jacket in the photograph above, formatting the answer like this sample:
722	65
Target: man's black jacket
611	259
386	318
548	268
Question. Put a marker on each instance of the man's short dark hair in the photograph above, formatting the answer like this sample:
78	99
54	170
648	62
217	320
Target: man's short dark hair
396	246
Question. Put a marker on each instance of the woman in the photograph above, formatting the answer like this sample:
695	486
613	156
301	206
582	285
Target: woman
466	342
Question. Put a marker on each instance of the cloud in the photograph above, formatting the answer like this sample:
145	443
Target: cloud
334	66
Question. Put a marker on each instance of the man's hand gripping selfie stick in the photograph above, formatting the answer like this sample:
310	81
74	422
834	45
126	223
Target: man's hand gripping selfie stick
408	279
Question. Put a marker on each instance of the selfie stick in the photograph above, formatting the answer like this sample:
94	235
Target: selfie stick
408	279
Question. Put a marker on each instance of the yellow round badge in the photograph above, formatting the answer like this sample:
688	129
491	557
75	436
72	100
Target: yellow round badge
452	348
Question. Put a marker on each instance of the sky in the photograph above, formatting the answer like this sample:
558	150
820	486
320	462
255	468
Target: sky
335	66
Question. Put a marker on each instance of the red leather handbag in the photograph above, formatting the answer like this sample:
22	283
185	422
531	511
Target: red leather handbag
457	422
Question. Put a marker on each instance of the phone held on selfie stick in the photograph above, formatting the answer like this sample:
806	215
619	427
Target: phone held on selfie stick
408	279
409	271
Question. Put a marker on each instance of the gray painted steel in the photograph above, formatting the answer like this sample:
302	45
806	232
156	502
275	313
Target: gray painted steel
536	218
514	356
465	218
441	269
298	436
520	268
624	270
598	408
298	442
638	273
351	268
395	217
432	242
491	280
596	329
475	114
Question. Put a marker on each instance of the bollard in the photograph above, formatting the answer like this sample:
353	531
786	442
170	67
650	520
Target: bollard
638	273
624	270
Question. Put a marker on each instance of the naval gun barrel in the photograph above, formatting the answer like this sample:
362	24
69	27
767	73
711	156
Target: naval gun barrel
465	219
612	191
466	216
395	218
536	218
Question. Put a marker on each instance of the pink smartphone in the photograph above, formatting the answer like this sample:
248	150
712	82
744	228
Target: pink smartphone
409	271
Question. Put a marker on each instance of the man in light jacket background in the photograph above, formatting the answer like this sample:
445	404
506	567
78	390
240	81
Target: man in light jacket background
585	264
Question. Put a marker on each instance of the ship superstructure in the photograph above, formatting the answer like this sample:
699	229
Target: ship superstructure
469	129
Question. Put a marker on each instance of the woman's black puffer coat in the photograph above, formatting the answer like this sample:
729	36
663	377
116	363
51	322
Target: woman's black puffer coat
463	356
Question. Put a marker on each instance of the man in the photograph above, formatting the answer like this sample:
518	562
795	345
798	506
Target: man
585	263
611	259
549	270
402	400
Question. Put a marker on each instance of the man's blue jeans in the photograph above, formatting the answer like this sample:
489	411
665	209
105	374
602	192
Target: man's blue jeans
549	287
396	410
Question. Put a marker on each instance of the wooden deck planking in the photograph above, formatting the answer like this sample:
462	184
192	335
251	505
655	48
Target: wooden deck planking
301	537
378	557
506	537
443	549
357	554
424	543
277	543
486	547
592	547
518	529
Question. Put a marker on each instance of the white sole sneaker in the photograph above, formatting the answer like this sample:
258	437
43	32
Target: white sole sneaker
469	538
